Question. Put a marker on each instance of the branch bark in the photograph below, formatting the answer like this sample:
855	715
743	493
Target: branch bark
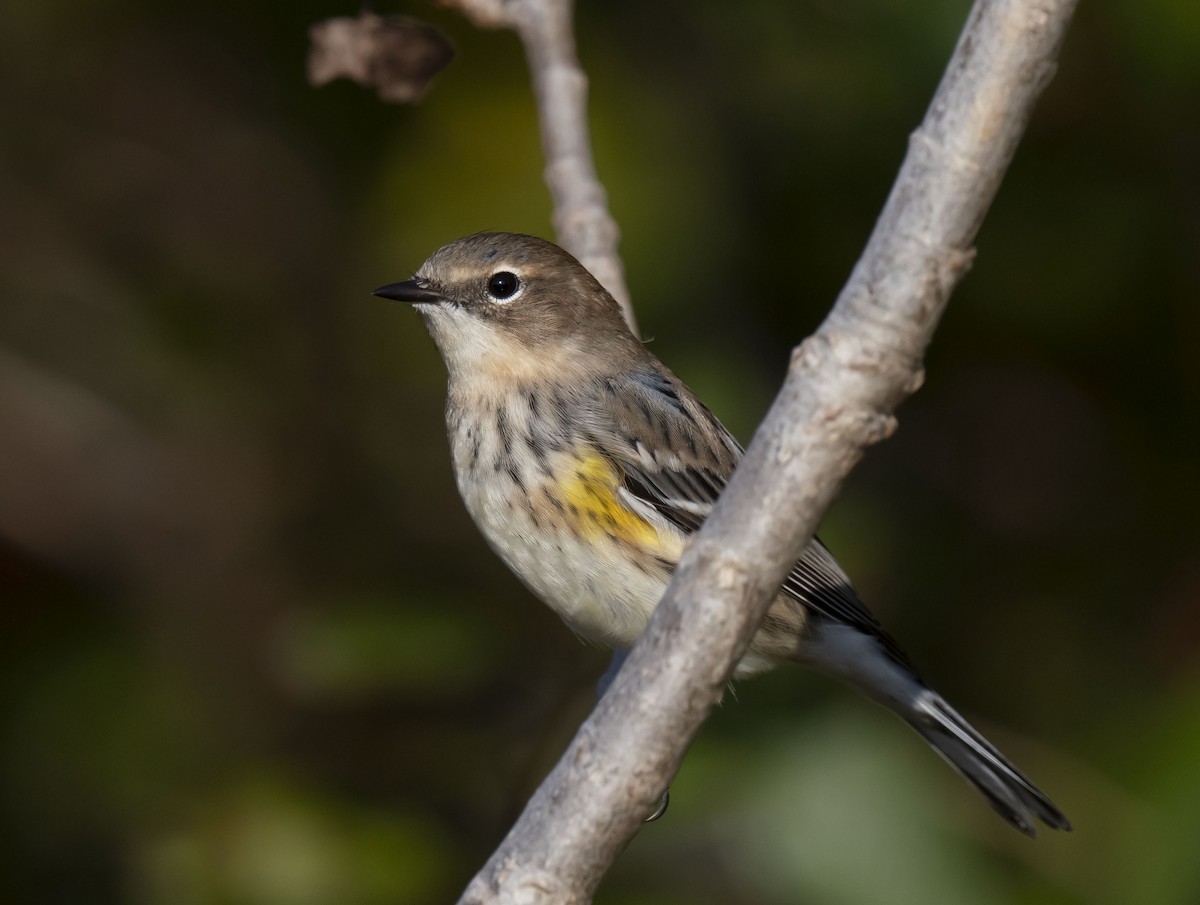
582	222
842	386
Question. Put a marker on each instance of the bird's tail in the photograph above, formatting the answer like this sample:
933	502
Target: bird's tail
1005	787
862	655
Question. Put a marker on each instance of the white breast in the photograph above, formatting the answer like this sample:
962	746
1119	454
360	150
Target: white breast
507	475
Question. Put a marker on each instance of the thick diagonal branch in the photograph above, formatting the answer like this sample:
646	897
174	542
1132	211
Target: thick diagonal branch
843	384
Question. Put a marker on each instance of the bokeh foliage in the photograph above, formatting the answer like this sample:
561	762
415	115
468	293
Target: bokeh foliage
251	648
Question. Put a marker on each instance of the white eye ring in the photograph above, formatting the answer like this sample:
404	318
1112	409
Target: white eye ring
504	286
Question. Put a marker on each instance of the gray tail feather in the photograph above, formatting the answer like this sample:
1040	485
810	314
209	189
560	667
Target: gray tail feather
1005	787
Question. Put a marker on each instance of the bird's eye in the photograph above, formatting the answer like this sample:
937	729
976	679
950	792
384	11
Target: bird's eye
503	285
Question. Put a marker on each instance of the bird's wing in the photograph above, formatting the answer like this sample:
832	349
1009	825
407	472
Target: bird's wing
676	457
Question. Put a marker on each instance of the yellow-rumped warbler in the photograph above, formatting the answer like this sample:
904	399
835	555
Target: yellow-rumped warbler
586	464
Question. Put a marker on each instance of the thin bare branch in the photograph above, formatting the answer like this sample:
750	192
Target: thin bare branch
841	390
582	222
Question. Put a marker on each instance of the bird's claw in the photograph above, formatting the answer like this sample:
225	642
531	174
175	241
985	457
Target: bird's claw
662	806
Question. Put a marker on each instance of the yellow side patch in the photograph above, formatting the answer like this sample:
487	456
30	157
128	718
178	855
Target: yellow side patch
589	489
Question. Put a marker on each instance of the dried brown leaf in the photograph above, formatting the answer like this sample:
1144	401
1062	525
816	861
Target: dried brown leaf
397	55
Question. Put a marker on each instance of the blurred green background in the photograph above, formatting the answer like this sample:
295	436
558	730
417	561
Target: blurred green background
253	651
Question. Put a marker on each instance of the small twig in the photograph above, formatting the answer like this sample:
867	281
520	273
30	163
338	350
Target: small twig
842	387
582	222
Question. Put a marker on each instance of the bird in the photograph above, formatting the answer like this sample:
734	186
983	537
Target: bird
586	464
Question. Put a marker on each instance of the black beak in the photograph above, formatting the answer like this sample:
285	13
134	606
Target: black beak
411	291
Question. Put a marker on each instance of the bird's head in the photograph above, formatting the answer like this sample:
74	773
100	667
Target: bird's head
505	301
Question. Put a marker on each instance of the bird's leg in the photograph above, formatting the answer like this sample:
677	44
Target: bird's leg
614	666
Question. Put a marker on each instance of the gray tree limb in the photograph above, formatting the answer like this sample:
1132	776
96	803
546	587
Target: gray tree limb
582	222
843	384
